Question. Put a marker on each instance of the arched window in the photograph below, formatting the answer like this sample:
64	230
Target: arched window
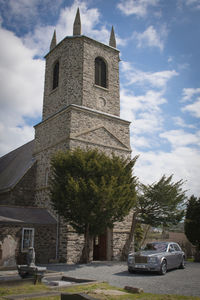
100	72
55	75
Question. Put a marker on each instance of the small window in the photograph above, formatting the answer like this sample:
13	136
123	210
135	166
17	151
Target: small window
100	72
55	75
27	239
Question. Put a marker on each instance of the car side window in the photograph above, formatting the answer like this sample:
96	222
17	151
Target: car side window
171	248
176	247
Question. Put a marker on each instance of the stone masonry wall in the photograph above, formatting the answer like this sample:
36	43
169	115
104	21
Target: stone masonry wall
75	243
97	97
120	234
53	131
51	136
69	53
76	56
90	127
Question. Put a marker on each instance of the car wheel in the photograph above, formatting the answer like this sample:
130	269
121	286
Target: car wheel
182	265
130	270
163	268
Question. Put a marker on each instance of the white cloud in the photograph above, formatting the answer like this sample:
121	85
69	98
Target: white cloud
150	101
183	162
191	95
13	137
147	131
151	37
148	122
23	8
188	94
155	79
144	112
193	109
170	59
181	138
141	142
21	80
180	122
26	13
136	7
194	3
41	37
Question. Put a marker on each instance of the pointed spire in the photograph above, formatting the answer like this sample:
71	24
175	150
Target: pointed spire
53	41
77	24
112	41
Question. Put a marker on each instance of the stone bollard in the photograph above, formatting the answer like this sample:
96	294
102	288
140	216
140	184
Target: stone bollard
66	296
133	290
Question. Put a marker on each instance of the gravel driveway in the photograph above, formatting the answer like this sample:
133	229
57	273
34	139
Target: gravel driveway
182	282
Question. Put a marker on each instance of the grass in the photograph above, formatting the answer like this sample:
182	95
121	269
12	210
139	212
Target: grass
89	289
190	259
25	288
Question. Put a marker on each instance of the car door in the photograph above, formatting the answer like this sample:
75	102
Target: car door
178	255
171	257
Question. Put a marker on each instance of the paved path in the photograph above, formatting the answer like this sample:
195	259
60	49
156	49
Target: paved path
182	282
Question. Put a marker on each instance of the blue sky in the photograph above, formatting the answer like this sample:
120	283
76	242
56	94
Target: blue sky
159	44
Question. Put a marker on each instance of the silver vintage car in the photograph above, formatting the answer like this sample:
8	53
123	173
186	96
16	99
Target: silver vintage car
158	257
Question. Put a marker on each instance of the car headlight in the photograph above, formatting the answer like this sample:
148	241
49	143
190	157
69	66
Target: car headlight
152	259
130	259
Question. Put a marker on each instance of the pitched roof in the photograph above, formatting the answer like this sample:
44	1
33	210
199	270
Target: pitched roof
14	165
26	215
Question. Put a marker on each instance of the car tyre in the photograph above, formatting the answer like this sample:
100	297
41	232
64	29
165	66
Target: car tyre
163	268
131	271
182	265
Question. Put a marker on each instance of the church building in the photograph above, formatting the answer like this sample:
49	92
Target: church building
81	108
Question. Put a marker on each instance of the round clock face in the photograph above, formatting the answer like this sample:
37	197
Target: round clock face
101	102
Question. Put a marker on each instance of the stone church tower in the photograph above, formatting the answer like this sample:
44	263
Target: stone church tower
81	108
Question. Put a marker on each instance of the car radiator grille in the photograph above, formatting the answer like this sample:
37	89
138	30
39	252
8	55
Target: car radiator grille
140	259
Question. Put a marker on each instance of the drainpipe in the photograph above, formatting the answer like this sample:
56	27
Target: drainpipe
57	236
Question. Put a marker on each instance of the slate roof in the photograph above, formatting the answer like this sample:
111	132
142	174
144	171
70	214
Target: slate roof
26	215
14	165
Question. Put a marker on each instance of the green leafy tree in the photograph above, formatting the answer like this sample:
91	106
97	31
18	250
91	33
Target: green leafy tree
192	224
162	202
91	191
158	204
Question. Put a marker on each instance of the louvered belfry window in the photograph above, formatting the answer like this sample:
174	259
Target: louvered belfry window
100	72
55	75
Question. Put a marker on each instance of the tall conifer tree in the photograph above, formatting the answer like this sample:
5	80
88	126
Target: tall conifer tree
192	224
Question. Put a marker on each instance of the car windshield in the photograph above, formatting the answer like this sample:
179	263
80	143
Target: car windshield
161	247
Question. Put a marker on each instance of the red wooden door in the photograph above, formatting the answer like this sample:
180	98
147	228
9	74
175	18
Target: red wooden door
100	247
